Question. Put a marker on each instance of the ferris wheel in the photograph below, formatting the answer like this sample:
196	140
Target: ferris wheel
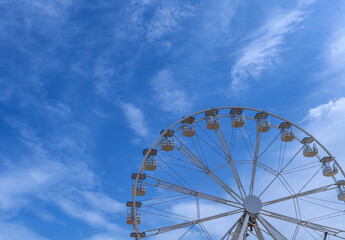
237	173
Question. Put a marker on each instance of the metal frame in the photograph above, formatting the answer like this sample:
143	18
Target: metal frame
241	224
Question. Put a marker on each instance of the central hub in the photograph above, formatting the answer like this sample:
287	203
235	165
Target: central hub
252	204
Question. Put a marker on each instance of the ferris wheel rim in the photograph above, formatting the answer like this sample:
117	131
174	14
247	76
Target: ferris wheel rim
156	143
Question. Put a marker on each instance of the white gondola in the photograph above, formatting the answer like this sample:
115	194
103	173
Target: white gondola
212	123
167	145
141	189
288	136
150	164
130	216
263	126
237	121
188	130
341	192
310	151
329	171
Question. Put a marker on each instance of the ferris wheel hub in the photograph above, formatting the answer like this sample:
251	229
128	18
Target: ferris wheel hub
252	204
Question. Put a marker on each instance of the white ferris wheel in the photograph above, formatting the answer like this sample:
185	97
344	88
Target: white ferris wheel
237	173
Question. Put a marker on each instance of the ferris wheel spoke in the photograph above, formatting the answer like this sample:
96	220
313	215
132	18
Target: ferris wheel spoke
228	233
166	201
186	232
302	167
306	229
190	223
269	145
243	228
227	154
280	172
178	175
321	205
256	152
176	188
246	144
191	156
204	230
307	224
310	180
327	216
258	231
168	212
267	168
306	193
272	231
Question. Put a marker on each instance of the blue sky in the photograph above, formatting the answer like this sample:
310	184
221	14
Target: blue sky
86	85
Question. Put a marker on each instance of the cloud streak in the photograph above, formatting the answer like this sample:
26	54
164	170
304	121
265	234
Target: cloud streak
169	95
135	118
263	52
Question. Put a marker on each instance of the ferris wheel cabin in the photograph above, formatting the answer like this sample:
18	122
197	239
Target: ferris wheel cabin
309	151
341	190
167	142
150	162
327	169
188	129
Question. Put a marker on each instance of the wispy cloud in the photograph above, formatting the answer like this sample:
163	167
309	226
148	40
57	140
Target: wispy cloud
263	52
169	95
326	123
92	217
334	62
167	19
336	50
52	174
16	231
135	118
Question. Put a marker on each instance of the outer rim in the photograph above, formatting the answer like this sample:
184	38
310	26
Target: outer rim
135	225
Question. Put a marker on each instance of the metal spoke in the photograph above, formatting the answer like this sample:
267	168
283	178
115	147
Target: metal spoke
185	233
270	229
165	216
178	175
172	213
190	223
231	228
187	153
244	228
238	229
227	154
279	173
309	192
164	202
256	152
176	188
245	142
205	231
258	231
317	227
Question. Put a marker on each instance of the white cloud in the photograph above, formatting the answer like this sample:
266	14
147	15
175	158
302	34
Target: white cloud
326	123
168	95
90	216
103	203
46	175
337	49
264	50
166	19
334	71
135	118
15	231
